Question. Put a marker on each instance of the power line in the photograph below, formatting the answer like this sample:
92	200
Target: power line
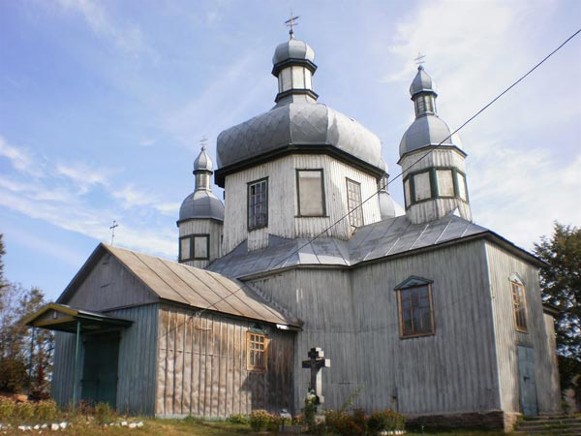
431	150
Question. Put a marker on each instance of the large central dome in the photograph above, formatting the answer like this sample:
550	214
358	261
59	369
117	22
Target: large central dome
298	123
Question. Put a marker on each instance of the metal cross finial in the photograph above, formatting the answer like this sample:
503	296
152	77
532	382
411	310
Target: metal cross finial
203	141
420	59
112	228
291	22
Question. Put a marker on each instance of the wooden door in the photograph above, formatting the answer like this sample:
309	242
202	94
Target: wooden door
527	382
99	382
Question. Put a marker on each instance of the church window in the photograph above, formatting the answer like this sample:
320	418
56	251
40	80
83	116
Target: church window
284	80
519	304
257	347
258	204
185	248
422	186
298	77
311	193
461	183
407	192
194	247
416	315
445	183
354	203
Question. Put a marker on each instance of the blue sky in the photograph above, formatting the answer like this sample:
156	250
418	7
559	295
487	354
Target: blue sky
103	105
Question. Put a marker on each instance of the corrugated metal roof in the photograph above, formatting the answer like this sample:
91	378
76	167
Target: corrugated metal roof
199	288
383	239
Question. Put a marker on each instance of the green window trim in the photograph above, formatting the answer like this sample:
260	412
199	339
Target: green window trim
434	186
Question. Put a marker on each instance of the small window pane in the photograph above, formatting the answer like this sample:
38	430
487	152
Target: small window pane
415	309
185	246
298	77
461	186
422	187
445	183
519	306
256	349
201	247
354	203
286	79
407	193
311	193
258	204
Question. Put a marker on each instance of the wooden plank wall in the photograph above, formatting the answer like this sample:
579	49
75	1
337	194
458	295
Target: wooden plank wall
502	266
63	368
202	367
282	220
110	285
136	387
353	316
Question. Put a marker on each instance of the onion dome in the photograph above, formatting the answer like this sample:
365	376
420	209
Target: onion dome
297	123
428	129
388	208
202	203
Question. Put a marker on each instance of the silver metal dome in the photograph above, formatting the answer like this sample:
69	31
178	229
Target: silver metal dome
298	124
426	131
422	83
202	204
203	161
293	49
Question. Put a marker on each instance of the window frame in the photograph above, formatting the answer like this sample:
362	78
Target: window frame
519	304
408	286
434	186
355	212
252	221
191	254
251	352
323	195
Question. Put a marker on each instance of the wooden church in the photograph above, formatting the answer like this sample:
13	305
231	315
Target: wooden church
419	310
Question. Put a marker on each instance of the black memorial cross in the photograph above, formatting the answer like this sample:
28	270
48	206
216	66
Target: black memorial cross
315	363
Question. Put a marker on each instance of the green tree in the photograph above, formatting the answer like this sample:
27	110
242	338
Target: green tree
561	287
25	355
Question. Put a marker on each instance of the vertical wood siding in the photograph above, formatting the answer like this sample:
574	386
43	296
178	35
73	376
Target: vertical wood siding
202	367
136	365
282	201
354	317
502	266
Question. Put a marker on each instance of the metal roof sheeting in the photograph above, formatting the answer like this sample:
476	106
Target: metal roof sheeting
383	239
199	288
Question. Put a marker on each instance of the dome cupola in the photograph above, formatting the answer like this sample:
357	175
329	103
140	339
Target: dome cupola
428	129
202	203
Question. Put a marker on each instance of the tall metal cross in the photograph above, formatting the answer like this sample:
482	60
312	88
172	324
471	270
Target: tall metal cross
315	363
419	60
291	22
112	228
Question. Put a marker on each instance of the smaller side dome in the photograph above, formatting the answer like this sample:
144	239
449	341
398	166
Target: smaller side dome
422	83
429	130
202	204
203	161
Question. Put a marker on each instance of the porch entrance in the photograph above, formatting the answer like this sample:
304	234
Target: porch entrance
99	380
527	381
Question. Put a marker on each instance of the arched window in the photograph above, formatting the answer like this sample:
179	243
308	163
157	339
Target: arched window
519	303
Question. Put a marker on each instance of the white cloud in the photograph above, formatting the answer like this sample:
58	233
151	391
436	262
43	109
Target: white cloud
129	198
19	157
127	37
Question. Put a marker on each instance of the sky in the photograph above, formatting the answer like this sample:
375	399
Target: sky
103	106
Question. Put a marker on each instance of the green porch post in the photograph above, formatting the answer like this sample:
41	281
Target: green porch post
76	365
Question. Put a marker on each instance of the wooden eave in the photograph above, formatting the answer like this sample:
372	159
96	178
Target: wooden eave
64	318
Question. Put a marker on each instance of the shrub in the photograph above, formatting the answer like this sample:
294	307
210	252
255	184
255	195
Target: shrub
24	412
238	419
342	423
260	419
46	410
104	414
13	376
387	420
7	407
